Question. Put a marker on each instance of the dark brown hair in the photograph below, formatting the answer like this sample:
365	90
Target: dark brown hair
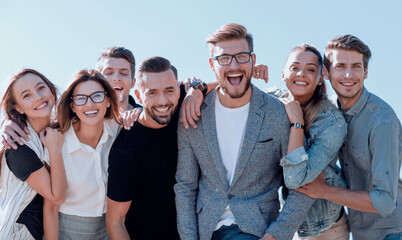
65	115
310	109
231	31
347	42
117	52
154	65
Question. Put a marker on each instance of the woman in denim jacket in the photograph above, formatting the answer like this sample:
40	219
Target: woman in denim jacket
317	132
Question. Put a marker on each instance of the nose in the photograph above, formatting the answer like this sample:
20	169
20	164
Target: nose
348	73
115	77
301	73
234	63
162	100
38	95
89	102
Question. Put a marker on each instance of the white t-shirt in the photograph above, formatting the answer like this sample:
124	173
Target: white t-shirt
230	128
86	171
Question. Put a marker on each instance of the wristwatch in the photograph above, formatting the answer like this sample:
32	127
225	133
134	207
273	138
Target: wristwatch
201	86
297	125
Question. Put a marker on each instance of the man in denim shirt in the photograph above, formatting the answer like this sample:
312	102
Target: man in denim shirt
371	156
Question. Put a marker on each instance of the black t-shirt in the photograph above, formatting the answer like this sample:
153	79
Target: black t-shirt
142	168
22	162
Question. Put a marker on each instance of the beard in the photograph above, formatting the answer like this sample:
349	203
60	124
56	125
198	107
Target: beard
162	120
223	84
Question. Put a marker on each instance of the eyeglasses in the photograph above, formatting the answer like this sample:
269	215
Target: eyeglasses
226	59
96	97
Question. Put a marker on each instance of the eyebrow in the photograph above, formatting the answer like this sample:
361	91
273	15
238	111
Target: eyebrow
26	90
110	68
307	64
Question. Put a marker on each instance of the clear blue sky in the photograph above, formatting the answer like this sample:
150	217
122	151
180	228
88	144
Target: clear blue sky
59	38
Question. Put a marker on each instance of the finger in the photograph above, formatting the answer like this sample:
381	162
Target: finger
15	128
265	70
198	110
10	142
136	115
11	134
183	118
190	119
26	131
5	144
193	113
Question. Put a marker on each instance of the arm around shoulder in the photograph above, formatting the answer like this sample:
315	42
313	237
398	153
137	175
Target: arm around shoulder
301	167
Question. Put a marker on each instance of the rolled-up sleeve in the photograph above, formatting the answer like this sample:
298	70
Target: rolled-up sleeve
384	147
301	167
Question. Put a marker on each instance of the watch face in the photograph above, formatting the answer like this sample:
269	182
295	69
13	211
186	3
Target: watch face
194	84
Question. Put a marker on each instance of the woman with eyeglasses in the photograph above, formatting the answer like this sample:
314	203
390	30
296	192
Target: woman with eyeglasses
88	115
24	179
317	131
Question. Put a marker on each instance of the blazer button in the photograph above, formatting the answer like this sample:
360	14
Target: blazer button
230	196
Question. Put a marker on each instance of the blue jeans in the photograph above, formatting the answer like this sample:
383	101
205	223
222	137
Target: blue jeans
232	232
82	228
394	236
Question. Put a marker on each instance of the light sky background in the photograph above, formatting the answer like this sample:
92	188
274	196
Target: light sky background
59	38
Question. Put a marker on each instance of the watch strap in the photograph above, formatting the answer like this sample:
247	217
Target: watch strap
297	125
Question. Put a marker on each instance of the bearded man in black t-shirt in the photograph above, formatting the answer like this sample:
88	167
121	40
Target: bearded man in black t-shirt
142	161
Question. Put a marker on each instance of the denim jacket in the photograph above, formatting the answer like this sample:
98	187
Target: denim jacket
320	153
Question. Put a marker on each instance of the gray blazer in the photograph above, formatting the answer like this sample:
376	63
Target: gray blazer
202	191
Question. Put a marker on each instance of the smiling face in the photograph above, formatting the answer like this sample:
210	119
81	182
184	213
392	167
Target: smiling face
302	74
90	113
234	79
159	94
346	75
33	98
118	73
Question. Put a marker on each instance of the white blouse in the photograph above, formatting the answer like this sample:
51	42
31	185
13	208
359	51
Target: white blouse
86	171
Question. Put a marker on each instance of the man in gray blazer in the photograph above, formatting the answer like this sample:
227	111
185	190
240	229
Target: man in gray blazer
228	171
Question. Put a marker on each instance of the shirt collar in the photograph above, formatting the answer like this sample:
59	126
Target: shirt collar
74	143
359	104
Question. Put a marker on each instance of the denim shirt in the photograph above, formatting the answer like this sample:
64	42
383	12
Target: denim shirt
320	153
371	160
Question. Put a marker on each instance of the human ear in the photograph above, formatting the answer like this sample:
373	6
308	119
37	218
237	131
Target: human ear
283	76
211	64
325	72
138	95
132	83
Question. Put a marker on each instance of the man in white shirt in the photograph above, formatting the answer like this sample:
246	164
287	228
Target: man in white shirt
228	171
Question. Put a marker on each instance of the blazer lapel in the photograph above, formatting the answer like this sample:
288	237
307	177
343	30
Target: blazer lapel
253	126
209	125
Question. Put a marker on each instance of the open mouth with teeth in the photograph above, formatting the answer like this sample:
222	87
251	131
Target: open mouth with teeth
300	83
348	84
118	89
91	113
42	106
163	109
235	78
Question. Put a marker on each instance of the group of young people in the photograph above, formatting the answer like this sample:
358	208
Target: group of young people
76	174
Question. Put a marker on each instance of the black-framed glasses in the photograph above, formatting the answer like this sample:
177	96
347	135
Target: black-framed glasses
82	99
226	59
